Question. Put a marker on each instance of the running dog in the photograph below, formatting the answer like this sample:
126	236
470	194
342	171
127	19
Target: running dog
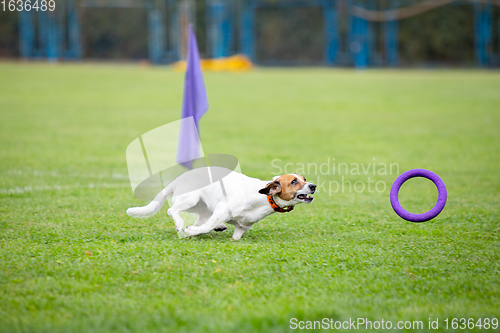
236	199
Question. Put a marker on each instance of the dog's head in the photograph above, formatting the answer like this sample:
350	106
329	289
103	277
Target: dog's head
292	188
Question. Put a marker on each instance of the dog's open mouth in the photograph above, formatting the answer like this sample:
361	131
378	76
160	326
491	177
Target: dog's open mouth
305	198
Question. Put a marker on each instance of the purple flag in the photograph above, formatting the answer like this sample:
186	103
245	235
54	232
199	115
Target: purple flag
194	104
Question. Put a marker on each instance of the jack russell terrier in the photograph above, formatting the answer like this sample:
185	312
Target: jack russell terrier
238	200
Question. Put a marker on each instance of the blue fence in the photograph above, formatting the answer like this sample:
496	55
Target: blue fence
231	26
50	34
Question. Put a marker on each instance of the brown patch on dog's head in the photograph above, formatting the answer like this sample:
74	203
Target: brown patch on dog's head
285	186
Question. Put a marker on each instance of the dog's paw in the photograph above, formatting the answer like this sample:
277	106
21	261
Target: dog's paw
220	227
179	228
188	231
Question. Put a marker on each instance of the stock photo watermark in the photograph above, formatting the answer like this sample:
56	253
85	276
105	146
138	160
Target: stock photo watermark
321	174
367	324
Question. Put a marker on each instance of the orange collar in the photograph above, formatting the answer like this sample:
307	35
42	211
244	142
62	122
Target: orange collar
277	208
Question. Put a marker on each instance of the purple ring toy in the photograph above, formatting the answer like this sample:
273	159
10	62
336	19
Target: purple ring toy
441	201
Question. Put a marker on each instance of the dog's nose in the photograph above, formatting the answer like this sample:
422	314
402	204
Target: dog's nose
312	187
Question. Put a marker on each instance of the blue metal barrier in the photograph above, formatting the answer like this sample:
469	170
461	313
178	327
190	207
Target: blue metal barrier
358	42
483	33
220	27
331	32
247	29
391	39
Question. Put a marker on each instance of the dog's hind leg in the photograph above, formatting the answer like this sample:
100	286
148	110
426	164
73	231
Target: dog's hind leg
204	217
219	216
181	204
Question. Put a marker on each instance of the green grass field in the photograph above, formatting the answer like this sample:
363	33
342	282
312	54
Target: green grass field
71	260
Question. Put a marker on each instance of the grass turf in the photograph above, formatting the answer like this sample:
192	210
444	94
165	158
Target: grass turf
71	260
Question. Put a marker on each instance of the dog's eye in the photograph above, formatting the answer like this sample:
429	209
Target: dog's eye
294	182
305	179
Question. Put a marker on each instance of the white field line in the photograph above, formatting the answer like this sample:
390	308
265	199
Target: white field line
29	188
56	174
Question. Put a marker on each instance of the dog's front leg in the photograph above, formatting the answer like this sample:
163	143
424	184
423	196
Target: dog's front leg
220	215
238	232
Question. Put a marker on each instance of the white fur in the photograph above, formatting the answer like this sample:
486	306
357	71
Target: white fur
242	206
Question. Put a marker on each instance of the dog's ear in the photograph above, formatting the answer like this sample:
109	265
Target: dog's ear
271	189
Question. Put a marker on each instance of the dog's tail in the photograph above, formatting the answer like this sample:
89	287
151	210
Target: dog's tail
154	206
